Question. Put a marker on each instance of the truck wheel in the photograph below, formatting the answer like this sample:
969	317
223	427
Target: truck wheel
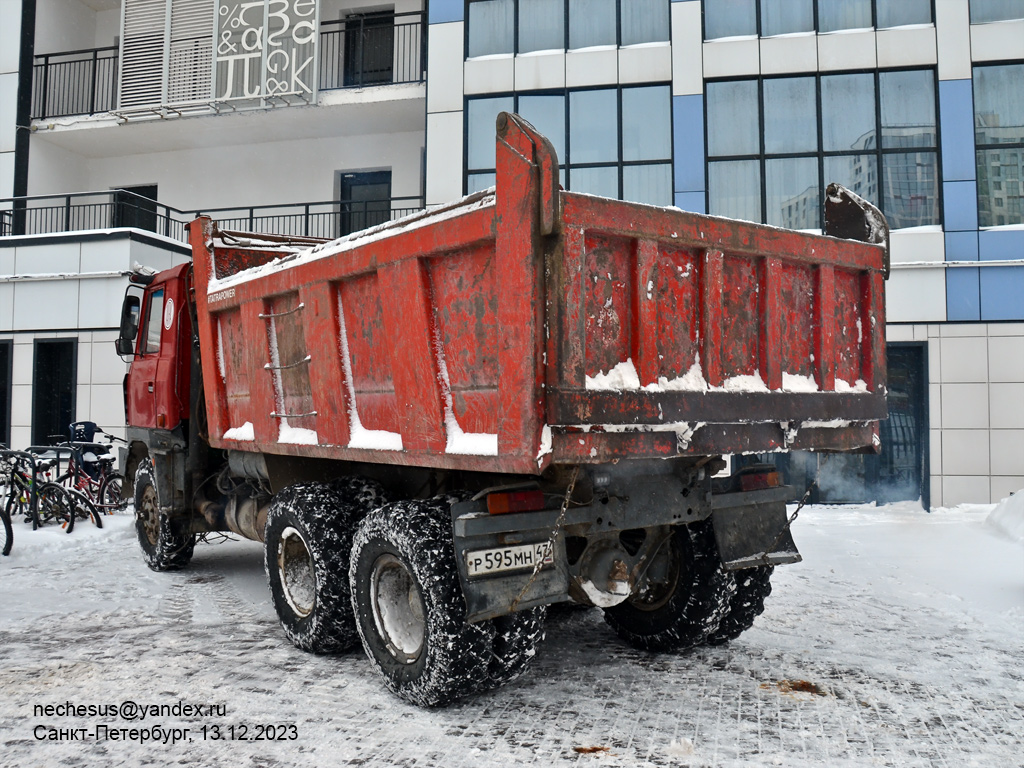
167	543
307	541
410	611
687	605
753	585
516	636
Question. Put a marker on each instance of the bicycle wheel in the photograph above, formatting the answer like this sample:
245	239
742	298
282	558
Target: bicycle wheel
110	494
83	507
6	531
55	506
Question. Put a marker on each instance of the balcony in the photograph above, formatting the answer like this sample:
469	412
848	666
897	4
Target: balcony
85	211
360	51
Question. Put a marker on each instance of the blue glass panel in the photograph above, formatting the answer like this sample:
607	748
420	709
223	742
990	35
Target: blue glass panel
961	246
734	189
650	184
783	17
1002	293
960	203
691	201
688	142
847	112
1001	245
963	295
908	108
956	113
899	13
441	11
541	25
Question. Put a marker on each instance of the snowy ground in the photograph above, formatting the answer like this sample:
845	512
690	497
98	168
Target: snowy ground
897	642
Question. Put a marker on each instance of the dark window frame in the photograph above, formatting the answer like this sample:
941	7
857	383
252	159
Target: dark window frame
879	151
565	26
817	25
565	166
979	147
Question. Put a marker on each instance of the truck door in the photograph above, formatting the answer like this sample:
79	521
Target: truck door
154	398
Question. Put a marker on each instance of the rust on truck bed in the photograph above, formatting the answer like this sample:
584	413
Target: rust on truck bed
530	325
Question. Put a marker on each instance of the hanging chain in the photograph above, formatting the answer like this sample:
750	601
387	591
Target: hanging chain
551	539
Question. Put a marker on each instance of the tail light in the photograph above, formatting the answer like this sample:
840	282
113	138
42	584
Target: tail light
759	481
514	501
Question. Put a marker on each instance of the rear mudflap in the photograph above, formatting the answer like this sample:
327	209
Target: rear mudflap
752	528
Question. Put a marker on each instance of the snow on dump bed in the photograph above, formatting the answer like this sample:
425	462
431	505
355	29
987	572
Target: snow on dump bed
624	378
293	257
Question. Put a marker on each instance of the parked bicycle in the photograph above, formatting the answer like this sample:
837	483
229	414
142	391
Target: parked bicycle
90	468
31	496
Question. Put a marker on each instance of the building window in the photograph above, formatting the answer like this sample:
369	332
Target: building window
767	18
996	10
775	143
999	143
627	154
522	26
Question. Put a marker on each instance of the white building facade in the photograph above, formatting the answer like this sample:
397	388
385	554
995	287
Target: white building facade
322	117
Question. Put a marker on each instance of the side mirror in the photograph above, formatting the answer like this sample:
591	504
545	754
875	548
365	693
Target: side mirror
125	343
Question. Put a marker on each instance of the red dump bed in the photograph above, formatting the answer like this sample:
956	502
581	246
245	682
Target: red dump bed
530	325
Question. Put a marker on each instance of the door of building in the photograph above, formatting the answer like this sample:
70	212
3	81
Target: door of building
54	379
365	200
6	353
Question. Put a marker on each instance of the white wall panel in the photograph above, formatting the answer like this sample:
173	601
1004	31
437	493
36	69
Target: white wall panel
965	406
687	52
22	361
1008	452
1003	486
99	302
998	41
1006	358
846	50
916	295
48	259
906	47
537	71
952	30
591	67
495	74
789	53
965	490
728	58
444	67
644	63
444	157
8	104
1007	406
10	35
917	245
964	359
46	305
965	451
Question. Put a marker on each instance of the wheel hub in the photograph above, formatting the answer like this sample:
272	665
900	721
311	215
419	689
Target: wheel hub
148	515
298	578
397	608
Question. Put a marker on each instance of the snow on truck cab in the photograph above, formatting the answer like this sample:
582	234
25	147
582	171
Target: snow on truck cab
444	424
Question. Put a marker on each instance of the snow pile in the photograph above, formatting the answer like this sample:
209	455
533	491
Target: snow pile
244	432
1008	517
459	442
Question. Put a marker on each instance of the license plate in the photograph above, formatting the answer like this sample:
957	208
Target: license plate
524	557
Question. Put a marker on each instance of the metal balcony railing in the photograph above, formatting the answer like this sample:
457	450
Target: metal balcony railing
358	51
372	49
74	83
85	211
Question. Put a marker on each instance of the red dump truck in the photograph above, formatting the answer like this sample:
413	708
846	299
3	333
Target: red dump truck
444	424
